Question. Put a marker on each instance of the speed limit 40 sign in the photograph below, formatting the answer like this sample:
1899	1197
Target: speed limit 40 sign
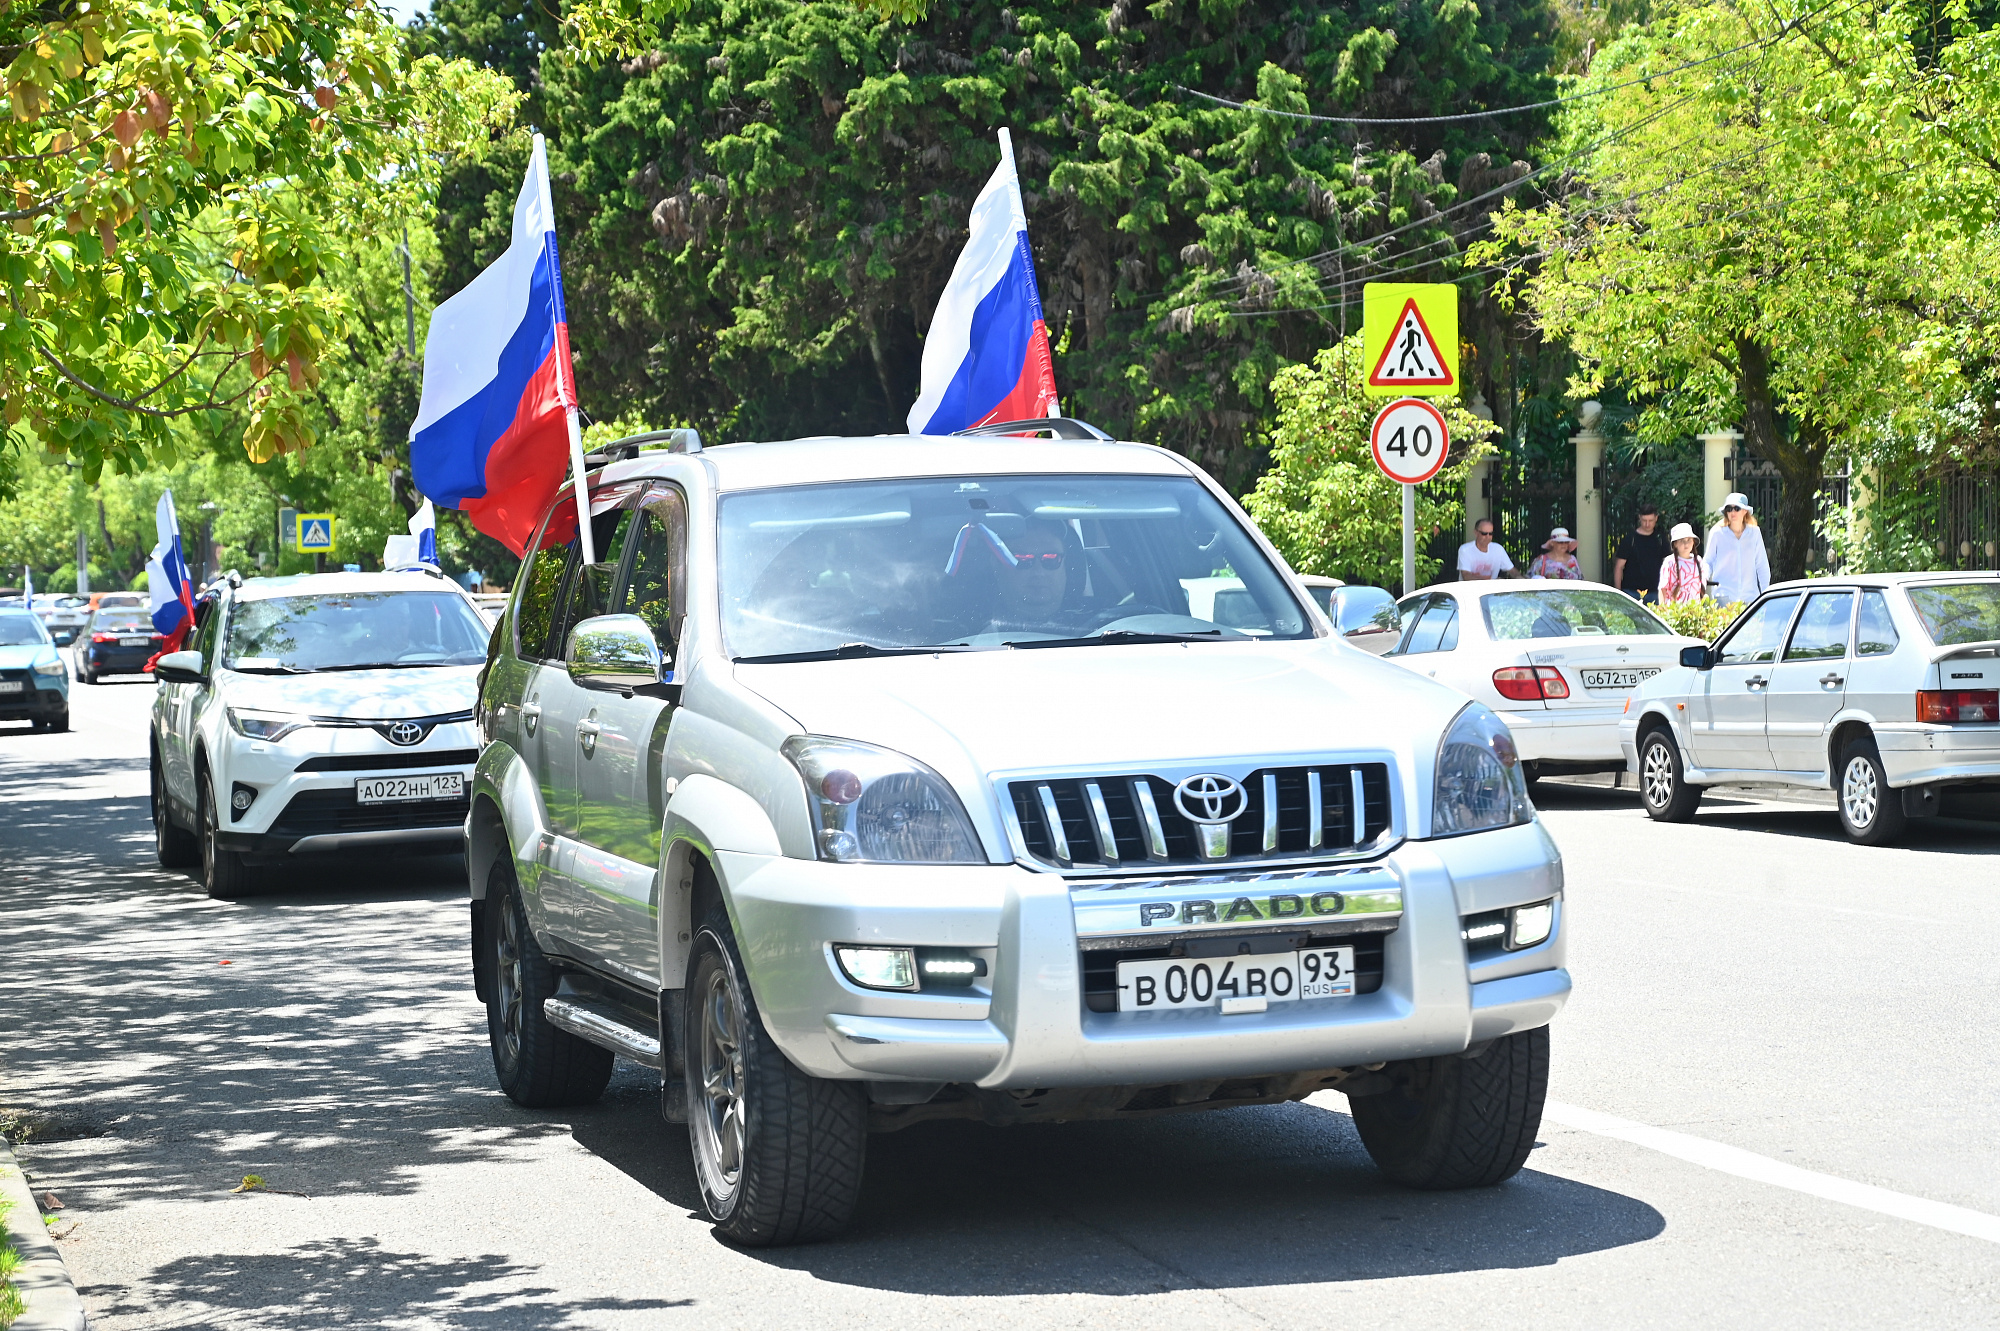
1409	440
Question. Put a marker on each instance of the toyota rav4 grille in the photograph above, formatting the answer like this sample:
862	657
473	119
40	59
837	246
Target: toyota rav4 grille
1105	822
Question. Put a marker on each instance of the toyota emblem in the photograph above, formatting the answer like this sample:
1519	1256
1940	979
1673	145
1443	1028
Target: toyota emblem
406	732
1218	799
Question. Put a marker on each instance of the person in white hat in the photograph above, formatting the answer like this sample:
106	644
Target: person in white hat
1558	557
1735	549
1684	575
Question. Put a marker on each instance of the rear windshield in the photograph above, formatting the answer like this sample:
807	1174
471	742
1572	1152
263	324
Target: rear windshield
1959	612
136	620
20	629
1558	613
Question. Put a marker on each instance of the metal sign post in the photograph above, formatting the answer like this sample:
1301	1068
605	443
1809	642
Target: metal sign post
1409	539
1409	441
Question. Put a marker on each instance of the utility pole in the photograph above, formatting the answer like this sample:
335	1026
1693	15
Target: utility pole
409	302
82	561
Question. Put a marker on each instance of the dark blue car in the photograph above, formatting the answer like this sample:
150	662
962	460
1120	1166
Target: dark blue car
119	640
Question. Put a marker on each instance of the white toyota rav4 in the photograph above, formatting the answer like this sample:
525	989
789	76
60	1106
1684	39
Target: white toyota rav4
858	782
316	714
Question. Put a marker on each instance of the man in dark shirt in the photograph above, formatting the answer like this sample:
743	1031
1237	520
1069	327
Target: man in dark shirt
1640	554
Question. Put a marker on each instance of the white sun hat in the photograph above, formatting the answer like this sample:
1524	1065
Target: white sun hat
1559	534
1682	532
1737	499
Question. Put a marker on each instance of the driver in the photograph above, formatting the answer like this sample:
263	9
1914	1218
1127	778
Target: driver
1031	592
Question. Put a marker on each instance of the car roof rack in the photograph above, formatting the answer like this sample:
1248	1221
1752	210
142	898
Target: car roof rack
682	440
1061	427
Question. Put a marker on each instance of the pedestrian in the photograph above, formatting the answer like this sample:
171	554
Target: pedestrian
1636	569
1735	551
1481	558
1558	557
1682	575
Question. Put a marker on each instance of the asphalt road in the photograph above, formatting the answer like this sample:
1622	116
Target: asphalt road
1774	1103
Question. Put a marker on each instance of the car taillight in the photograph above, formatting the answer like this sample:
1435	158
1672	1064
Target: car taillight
104	637
1525	685
1945	706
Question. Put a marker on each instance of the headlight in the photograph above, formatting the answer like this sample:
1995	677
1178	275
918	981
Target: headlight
1479	783
252	724
877	806
48	667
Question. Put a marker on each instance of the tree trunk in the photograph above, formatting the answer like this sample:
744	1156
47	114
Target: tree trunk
1800	460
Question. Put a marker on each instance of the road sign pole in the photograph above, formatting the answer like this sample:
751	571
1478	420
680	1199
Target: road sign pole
1409	539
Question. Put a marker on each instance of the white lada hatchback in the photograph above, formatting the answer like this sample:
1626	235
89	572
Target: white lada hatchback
315	715
860	782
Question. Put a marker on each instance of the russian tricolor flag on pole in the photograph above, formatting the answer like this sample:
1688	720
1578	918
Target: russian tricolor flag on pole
497	427
986	357
167	585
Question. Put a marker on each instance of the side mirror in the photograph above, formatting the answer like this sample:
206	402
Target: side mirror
1698	658
618	654
178	668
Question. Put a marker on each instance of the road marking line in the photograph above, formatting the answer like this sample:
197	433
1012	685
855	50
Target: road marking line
1763	1169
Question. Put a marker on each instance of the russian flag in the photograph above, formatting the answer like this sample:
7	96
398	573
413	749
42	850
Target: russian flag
492	435
167	584
986	357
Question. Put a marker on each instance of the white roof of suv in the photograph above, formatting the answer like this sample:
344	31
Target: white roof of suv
896	457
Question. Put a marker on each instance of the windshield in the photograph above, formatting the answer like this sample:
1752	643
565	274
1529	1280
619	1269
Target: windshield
354	631
1959	612
21	629
987	561
1557	613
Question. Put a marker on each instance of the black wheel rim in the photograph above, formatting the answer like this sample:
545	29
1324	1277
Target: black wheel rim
507	950
209	850
718	1118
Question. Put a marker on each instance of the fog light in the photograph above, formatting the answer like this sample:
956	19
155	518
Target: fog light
879	967
241	797
1530	924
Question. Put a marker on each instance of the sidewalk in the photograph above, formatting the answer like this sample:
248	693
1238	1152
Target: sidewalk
42	1280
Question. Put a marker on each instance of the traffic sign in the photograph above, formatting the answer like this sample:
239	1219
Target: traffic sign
288	527
1409	441
316	533
1409	333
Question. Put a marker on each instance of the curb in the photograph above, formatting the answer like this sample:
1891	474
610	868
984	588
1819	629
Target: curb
52	1301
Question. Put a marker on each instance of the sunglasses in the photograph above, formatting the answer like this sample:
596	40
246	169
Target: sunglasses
1048	563
1731	508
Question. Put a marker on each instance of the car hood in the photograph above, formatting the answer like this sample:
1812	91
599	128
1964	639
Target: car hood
368	695
1135	707
20	658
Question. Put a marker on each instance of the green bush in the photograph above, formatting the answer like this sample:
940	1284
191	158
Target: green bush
1702	619
11	1306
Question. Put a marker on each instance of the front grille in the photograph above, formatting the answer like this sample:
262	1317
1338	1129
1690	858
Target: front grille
1100	969
382	762
1104	822
320	812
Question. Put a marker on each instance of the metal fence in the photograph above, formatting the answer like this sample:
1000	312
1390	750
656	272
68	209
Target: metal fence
1963	525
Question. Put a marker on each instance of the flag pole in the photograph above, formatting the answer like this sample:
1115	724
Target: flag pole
583	532
565	372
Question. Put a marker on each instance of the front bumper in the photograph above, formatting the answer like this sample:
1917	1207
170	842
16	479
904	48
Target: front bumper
34	703
1030	1025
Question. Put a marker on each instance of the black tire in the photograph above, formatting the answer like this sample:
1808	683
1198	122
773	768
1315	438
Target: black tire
1663	786
539	1067
1457	1122
87	675
175	846
1871	813
223	871
797	1141
59	723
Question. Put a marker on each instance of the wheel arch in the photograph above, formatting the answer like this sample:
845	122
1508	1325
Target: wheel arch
485	842
705	815
1845	731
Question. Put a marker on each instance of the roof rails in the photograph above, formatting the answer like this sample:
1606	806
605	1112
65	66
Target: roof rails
1062	427
624	450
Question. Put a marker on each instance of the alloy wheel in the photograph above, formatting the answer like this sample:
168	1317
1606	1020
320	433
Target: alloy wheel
719	1125
208	846
1859	794
1659	775
509	979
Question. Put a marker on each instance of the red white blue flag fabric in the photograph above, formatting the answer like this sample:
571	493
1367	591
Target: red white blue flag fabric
986	356
167	583
417	550
492	432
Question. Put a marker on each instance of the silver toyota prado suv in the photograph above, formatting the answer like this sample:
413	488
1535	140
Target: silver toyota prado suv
861	782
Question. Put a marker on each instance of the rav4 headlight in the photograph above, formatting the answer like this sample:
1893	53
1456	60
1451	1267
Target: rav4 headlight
1479	783
254	724
874	805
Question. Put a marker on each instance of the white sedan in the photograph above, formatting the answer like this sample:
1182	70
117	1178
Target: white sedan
1556	660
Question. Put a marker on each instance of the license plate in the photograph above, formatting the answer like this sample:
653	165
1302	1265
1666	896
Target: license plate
134	642
12	686
409	789
1240	984
1616	679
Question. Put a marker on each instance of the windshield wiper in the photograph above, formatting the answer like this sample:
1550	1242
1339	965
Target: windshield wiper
269	670
1120	638
385	665
855	649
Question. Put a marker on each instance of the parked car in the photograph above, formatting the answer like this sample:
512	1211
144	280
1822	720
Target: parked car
119	600
1555	660
880	780
65	616
34	683
314	715
1884	689
117	640
491	604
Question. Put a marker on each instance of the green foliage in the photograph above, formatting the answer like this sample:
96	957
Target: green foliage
1324	503
11	1306
1703	619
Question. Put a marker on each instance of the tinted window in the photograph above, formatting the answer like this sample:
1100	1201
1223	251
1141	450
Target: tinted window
1561	613
1821	633
208	614
541	581
1875	634
354	631
1406	618
1757	637
1959	612
1437	631
21	630
587	593
653	591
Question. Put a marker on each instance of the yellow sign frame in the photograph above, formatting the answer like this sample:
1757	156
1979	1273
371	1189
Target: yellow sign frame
332	534
1383	305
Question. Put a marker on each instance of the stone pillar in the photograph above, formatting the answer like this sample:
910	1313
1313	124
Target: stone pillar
1589	533
1717	446
1478	505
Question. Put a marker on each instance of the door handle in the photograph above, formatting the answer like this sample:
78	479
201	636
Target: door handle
1831	681
587	732
531	717
1755	682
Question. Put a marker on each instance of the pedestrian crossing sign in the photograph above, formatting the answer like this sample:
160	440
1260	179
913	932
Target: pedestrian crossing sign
1409	336
316	533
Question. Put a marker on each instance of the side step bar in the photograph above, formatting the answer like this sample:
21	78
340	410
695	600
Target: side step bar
604	1024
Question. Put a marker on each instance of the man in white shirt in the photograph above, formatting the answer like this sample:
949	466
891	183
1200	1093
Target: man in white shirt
1480	559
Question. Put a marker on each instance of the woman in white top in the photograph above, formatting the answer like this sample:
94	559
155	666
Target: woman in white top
1684	575
1736	555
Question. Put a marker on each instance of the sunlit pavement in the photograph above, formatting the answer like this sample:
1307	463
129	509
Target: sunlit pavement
1750	981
